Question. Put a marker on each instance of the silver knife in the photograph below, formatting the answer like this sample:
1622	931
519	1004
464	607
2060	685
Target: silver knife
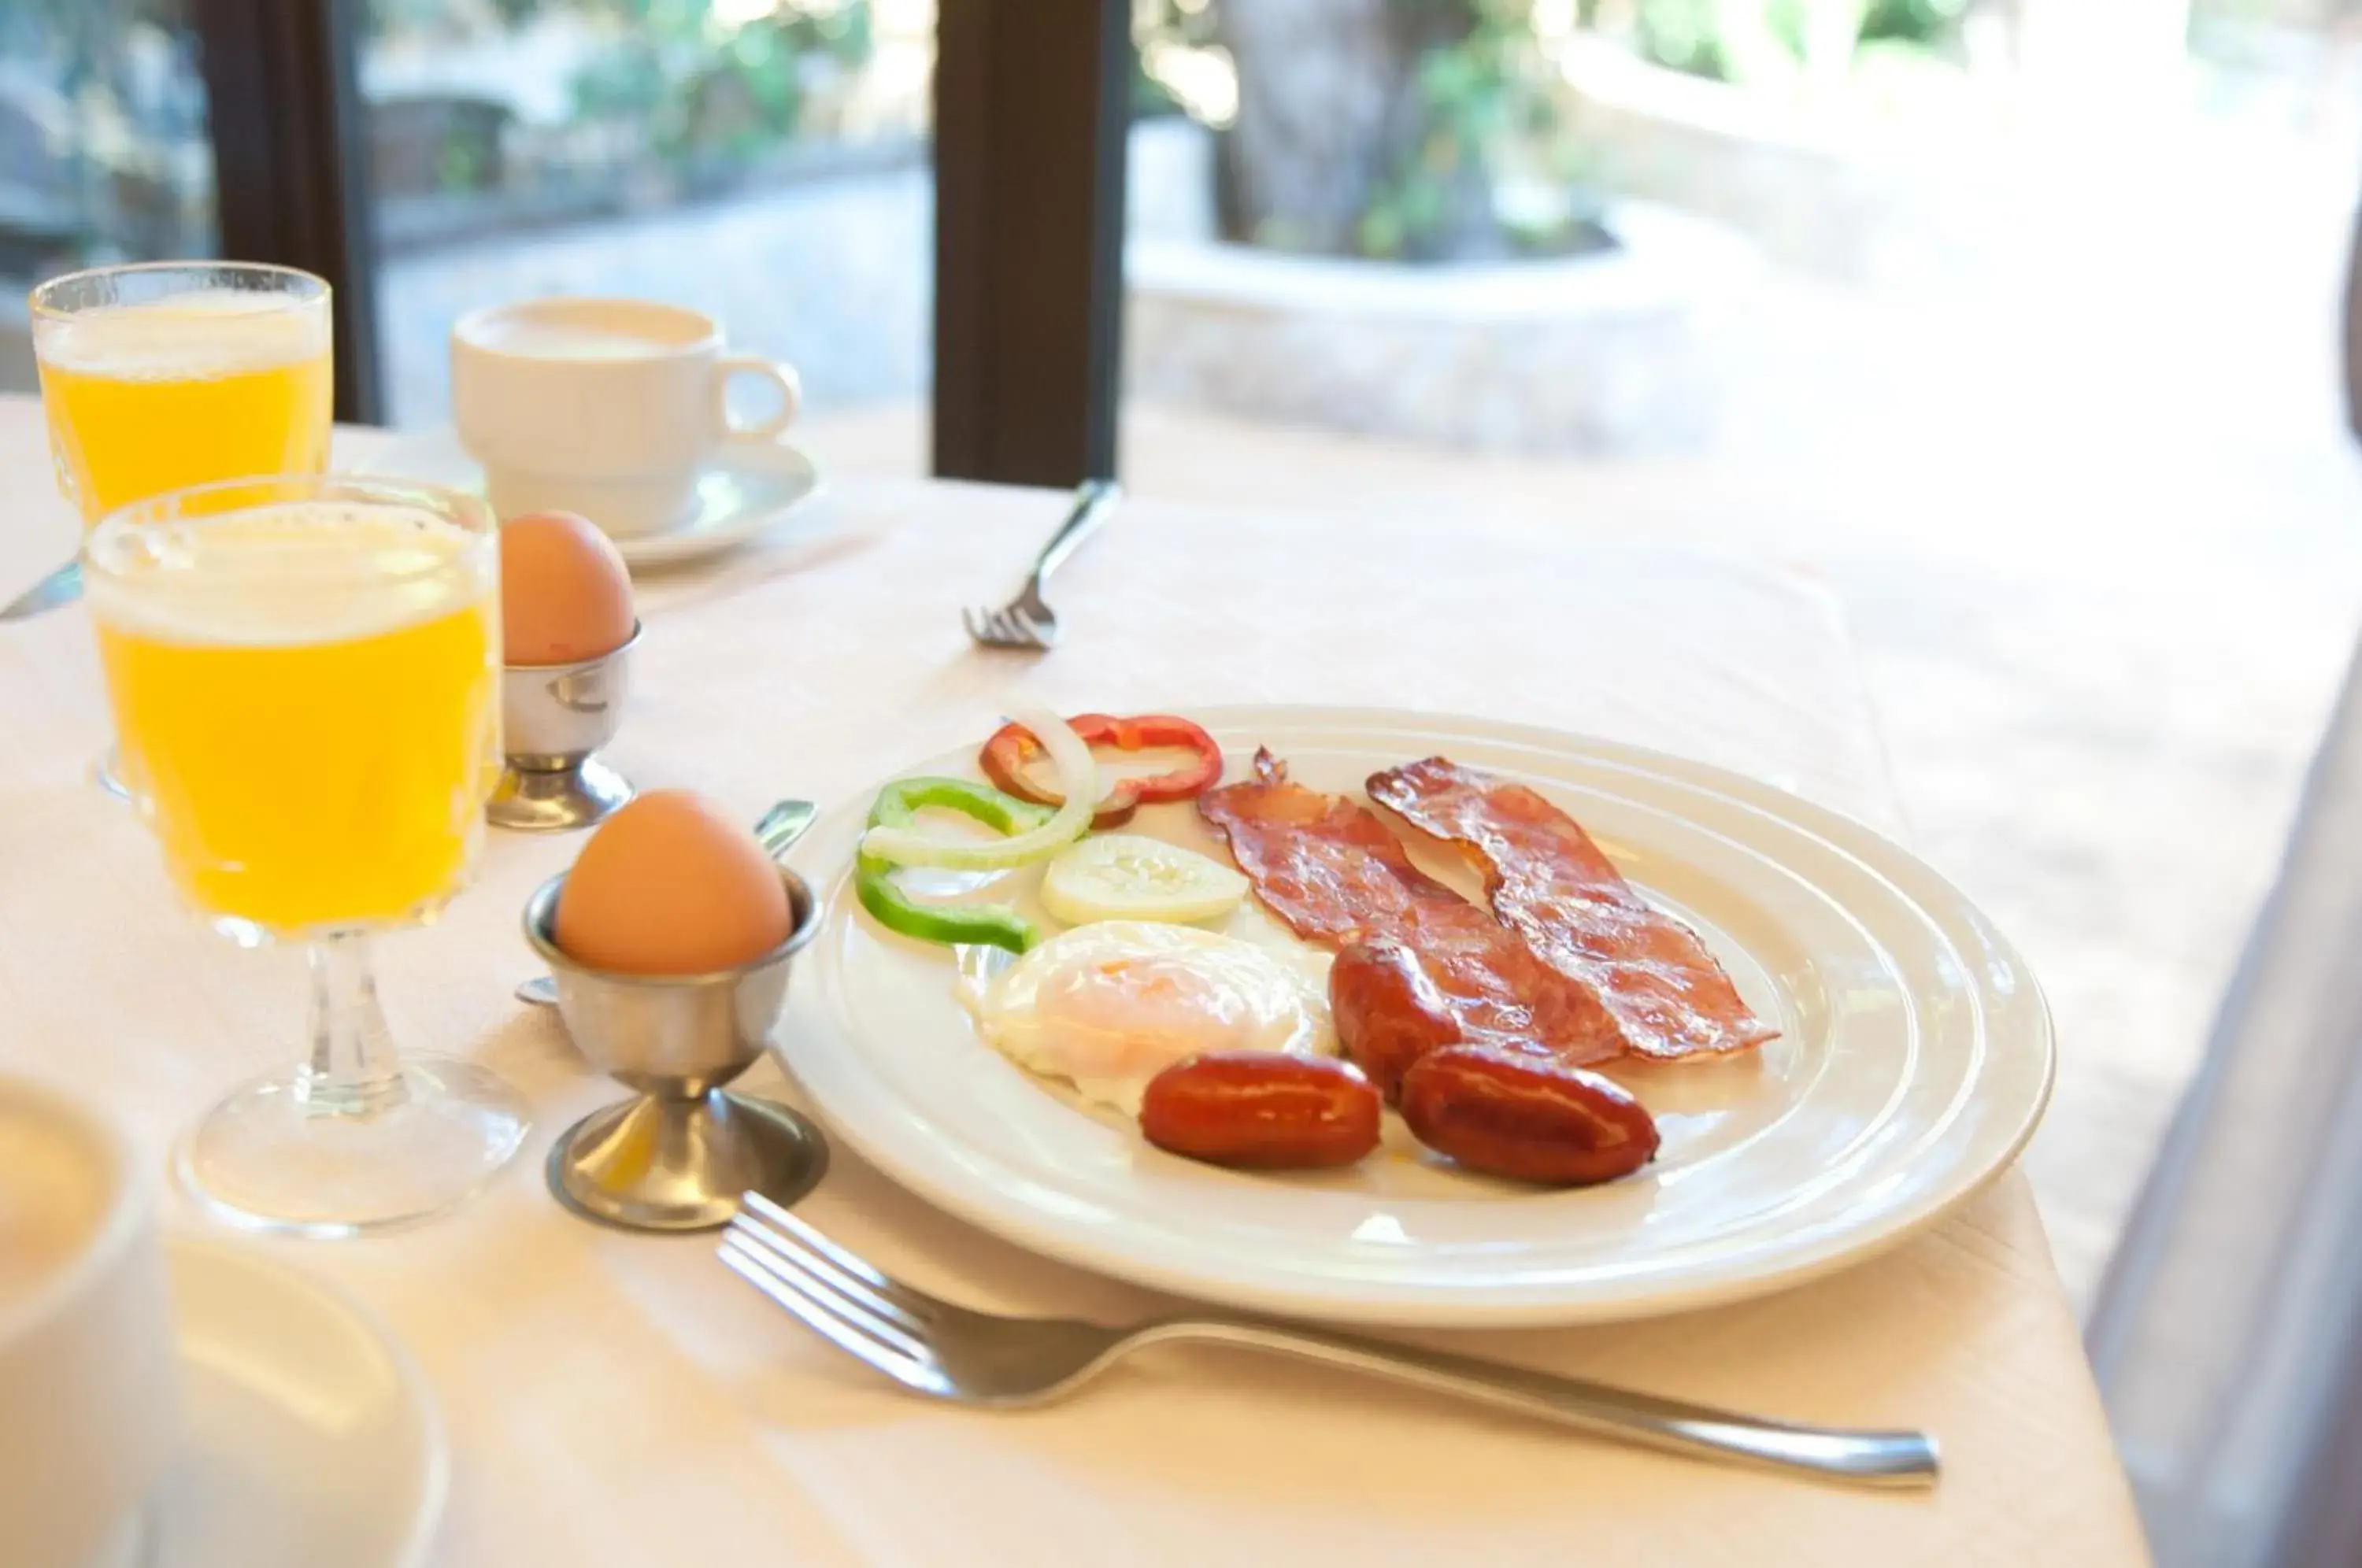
61	586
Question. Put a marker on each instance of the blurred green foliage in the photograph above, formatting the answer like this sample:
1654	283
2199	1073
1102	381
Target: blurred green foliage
700	91
1166	23
693	87
1727	39
1493	106
1935	23
1488	96
1683	34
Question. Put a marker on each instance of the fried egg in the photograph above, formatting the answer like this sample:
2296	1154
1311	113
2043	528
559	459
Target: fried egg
1106	1007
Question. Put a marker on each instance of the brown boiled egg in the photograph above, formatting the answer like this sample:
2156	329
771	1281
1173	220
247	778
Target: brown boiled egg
566	595
671	886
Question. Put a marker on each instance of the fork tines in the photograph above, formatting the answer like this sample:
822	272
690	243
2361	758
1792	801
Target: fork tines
830	1291
1005	628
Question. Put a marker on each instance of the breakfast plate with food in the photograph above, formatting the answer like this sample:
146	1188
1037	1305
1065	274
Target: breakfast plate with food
1398	1018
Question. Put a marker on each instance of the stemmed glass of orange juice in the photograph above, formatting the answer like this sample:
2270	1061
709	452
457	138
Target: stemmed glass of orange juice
303	673
169	374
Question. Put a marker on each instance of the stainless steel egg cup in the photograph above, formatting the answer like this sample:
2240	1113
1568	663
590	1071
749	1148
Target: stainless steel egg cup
678	1155
553	717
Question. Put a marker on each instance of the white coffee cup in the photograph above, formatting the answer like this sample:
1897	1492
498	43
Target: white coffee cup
88	1395
611	408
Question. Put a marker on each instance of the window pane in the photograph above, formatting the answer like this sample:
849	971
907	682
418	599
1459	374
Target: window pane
763	160
104	155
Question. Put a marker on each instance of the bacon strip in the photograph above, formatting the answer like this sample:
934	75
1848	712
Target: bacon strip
1336	874
1550	883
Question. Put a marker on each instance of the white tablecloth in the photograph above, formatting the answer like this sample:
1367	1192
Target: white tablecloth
618	1400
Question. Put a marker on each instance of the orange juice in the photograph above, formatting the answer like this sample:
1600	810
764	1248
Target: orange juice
211	384
308	698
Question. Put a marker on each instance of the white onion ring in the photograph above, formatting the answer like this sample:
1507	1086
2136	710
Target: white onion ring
1079	781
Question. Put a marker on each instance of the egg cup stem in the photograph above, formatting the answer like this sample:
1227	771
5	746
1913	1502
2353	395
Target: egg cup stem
553	719
556	800
678	1163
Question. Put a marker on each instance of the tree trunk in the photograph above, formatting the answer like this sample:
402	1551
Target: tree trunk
1329	113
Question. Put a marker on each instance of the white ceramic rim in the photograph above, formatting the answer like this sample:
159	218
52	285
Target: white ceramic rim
129	1211
829	1073
700	541
468	331
435	1487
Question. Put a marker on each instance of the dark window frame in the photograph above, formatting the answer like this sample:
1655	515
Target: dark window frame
291	180
1032	105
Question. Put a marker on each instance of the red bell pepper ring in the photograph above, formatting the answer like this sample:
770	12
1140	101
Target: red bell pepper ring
1012	746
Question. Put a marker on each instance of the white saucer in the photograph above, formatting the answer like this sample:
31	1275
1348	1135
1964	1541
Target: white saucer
748	487
308	1436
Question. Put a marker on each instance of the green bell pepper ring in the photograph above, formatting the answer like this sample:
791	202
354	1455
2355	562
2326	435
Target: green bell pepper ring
989	925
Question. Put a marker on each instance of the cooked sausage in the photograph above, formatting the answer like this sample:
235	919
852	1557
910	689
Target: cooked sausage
1263	1110
1387	1011
1530	1117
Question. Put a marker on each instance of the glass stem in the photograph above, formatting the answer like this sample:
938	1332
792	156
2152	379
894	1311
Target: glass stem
353	1070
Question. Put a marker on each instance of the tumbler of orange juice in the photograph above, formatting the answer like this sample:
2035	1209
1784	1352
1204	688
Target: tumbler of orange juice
176	373
161	376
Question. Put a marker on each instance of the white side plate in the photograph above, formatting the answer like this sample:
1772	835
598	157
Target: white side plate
308	1436
1914	1061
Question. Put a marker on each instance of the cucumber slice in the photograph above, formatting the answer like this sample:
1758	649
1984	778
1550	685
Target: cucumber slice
1128	875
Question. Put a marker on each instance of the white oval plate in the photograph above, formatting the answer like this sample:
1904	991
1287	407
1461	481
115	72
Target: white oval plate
1914	1061
308	1436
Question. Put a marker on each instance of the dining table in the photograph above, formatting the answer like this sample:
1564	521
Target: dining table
616	1398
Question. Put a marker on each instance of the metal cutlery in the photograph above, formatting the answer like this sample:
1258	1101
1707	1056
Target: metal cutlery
60	588
777	829
966	1357
1027	621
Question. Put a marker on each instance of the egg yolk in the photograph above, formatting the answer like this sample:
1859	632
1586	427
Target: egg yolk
1136	1012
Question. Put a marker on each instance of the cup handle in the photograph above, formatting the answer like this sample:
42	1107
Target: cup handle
782	376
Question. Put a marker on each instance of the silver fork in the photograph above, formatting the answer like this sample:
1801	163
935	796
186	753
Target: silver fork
63	585
1026	621
966	1357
